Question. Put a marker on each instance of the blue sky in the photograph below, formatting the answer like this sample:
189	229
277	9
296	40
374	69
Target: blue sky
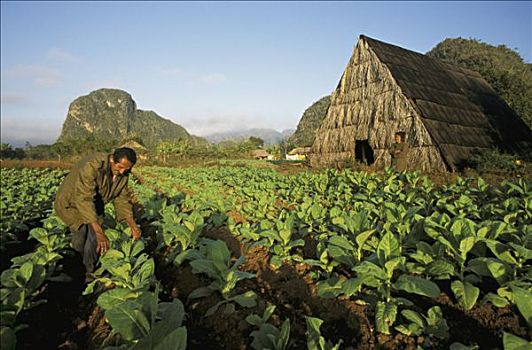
214	66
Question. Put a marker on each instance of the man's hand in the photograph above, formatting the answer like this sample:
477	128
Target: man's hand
102	243
135	230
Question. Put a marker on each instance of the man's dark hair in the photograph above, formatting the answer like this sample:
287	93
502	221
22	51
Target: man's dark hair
125	152
401	134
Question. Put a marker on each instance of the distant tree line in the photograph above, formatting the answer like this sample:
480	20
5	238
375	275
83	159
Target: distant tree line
164	151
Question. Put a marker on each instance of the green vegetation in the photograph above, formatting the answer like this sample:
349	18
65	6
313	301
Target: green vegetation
26	198
309	123
400	239
503	68
393	243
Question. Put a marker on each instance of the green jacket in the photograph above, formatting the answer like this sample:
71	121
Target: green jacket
87	188
399	159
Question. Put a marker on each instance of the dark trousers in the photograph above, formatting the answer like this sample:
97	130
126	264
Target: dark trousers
84	242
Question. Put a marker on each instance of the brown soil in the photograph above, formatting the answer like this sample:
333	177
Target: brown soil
294	295
71	321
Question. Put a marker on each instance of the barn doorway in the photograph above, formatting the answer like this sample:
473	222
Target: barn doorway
364	152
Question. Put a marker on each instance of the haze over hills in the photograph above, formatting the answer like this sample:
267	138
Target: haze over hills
112	114
270	136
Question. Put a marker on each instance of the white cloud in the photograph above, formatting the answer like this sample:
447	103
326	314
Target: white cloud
57	54
8	99
41	75
216	122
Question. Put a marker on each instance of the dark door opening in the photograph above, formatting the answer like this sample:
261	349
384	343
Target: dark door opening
364	152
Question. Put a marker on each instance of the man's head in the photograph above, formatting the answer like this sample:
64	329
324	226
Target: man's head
123	160
399	137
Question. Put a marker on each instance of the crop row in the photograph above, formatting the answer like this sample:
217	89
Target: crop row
26	198
381	240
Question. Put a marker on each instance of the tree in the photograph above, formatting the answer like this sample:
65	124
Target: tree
256	142
7	152
60	149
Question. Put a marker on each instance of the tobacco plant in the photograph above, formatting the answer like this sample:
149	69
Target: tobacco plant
214	259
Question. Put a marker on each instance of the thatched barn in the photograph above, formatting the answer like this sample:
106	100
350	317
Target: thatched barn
259	154
447	113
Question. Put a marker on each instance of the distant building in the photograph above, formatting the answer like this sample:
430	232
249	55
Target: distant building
260	154
299	153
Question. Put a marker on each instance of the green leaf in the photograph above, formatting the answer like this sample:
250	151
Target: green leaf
496	300
501	251
361	238
466	245
219	252
214	308
26	270
413	316
330	288
314	339
388	247
200	292
171	312
113	297
162	340
393	264
385	314
465	293
523	300
352	286
440	268
284	336
417	285
204	266
127	319
247	299
437	325
512	342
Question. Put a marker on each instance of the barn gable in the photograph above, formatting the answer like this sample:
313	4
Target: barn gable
447	112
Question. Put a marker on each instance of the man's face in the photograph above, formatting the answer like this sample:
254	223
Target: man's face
398	138
123	166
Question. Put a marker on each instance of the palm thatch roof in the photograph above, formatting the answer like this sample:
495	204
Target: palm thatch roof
259	154
452	112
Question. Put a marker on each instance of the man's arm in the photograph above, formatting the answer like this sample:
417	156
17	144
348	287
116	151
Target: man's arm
124	211
84	199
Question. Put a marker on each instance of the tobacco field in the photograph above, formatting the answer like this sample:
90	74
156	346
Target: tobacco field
234	257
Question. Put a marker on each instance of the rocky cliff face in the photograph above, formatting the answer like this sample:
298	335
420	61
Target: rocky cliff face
309	123
111	114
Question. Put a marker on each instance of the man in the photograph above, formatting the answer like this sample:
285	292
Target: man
399	152
94	181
